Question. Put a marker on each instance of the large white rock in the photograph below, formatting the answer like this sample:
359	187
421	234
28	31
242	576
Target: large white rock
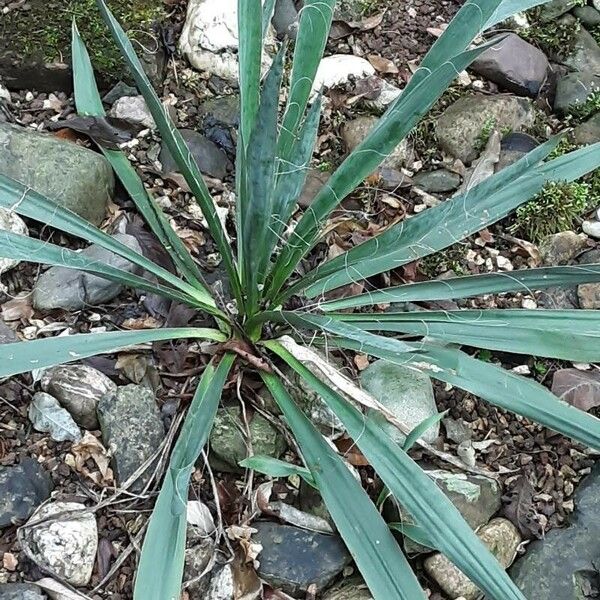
339	68
10	221
66	547
210	41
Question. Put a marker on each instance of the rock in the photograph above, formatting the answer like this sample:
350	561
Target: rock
356	130
550	567
315	180
222	584
70	289
7	335
588	132
66	546
556	297
210	158
292	558
596	4
589	295
134	110
10	221
590	257
561	248
225	109
574	89
78	388
438	181
592	228
197	559
588	15
500	536
460	127
513	147
285	19
71	175
119	90
349	590
21	591
585	55
132	429
228	443
405	392
209	39
556	8
48	416
513	64
388	93
340	69
23	488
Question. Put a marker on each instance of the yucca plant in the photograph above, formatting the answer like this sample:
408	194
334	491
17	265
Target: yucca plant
256	328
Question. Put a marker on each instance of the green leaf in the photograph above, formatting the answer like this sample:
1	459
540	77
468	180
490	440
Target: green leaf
160	569
176	145
313	31
510	7
565	334
524	280
29	203
22	247
421	428
391	129
445	224
373	547
21	357
273	467
414	532
267	15
88	101
415	491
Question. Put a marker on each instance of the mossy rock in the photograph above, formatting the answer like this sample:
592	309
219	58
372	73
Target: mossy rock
35	42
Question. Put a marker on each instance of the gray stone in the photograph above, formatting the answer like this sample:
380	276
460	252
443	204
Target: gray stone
589	295
550	566
10	221
197	559
210	158
65	546
228	441
66	289
438	181
405	392
590	257
588	15
48	416
7	335
513	64
562	248
21	591
132	429
460	127
592	228
500	536
225	109
356	130
588	132
72	176
134	110
556	8
23	488
292	558
119	90
585	55
574	89
285	19
556	297
78	388
315	180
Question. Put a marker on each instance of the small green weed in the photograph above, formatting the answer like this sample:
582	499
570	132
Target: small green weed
583	110
553	37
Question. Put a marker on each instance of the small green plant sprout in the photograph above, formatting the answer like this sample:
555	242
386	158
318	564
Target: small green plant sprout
279	308
556	208
553	37
540	367
583	110
486	131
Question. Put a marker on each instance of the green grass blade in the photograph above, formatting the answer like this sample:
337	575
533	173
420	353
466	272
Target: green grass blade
22	247
391	129
376	552
418	431
441	226
525	280
88	101
432	510
21	357
273	467
313	31
415	533
510	7
160	569
176	145
563	334
267	15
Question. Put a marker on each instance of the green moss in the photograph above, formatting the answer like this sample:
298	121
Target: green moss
44	31
583	110
554	37
450	259
554	209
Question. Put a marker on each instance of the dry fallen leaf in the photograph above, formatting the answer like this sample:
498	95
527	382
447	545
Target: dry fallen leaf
361	361
18	308
579	388
90	447
520	509
381	64
9	561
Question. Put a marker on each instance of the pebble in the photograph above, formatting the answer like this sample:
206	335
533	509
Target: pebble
561	248
10	221
134	110
21	591
592	228
67	546
48	416
339	69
